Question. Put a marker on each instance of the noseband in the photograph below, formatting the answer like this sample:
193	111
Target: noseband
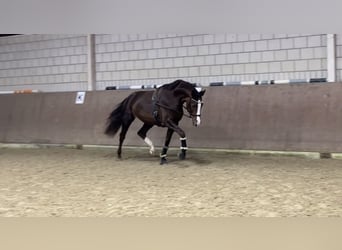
156	104
198	112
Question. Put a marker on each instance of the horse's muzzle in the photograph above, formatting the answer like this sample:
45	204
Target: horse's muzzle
196	120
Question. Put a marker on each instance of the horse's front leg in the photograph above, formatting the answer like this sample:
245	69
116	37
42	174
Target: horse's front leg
166	146
172	125
183	148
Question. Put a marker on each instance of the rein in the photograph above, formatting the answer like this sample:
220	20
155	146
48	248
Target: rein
166	107
197	114
188	115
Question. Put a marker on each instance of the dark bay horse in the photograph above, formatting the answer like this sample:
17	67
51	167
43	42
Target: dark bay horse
162	107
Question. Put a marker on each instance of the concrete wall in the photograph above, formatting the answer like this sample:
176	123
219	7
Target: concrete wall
45	62
204	58
59	62
338	57
304	117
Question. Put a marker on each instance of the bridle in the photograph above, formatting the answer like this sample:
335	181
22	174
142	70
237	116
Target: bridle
198	112
185	107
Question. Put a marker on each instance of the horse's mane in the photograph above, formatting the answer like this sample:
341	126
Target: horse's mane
176	84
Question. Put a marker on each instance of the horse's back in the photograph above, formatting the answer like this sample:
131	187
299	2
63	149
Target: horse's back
142	97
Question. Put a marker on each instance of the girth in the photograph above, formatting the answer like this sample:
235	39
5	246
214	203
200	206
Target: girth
155	108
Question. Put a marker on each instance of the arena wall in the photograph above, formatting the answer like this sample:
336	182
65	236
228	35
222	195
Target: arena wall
47	63
299	117
53	63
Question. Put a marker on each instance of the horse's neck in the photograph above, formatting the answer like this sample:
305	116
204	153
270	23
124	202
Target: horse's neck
173	85
166	97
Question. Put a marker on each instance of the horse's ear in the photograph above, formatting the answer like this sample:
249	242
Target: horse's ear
202	92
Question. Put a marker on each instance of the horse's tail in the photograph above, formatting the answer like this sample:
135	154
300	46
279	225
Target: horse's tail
115	119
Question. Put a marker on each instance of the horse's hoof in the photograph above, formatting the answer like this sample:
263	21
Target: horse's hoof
163	161
181	156
151	151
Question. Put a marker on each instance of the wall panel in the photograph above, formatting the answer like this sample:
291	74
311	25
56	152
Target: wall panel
304	117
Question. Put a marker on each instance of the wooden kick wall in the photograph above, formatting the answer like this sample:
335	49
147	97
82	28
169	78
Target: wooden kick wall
294	117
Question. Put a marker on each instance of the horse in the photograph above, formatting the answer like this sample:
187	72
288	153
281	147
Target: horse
162	107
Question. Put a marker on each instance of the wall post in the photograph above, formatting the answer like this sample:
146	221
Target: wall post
331	57
91	62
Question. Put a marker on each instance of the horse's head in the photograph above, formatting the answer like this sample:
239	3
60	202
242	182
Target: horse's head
194	105
193	100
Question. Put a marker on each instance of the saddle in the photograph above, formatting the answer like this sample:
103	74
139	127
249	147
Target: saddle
157	105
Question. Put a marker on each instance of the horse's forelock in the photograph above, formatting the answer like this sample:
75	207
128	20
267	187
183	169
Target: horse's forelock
195	94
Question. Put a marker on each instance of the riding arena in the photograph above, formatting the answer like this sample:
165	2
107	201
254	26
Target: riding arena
173	146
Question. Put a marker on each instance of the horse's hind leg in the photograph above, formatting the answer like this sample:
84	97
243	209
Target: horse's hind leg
142	133
127	121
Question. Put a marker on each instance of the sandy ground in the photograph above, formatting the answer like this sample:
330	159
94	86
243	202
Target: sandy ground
93	182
